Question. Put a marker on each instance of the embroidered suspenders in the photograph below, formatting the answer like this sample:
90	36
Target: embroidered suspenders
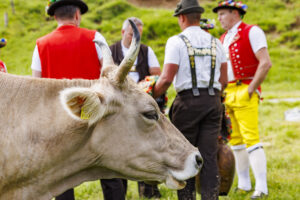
192	52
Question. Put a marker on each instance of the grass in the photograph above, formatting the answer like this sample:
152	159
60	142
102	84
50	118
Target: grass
281	143
278	18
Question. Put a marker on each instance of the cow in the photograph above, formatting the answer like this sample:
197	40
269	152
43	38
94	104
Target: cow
56	134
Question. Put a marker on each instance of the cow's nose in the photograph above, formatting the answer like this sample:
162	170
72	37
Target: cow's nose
199	161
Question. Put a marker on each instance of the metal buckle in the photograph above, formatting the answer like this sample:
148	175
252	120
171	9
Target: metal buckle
211	91
196	92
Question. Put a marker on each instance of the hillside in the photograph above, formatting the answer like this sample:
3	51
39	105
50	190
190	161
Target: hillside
278	18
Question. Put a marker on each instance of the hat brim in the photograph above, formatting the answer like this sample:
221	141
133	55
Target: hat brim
82	6
215	10
189	10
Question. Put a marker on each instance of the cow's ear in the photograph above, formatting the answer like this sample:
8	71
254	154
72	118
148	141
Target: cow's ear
83	104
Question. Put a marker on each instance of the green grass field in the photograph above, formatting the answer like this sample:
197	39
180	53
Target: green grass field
281	142
280	20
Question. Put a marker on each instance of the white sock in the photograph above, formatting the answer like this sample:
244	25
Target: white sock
242	168
258	164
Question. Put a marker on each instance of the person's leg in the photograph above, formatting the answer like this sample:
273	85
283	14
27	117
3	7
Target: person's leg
148	191
242	167
209	130
189	192
186	119
258	163
248	122
240	155
236	101
113	189
67	195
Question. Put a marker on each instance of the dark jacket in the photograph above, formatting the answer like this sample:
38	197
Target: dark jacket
142	66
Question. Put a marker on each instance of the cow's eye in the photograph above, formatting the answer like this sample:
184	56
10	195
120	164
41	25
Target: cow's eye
151	115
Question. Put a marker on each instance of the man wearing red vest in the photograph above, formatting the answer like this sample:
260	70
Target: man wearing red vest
248	65
69	51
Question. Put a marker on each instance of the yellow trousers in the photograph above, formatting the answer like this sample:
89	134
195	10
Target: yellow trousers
243	112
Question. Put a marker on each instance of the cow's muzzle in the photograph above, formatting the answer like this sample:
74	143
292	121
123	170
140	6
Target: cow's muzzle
193	164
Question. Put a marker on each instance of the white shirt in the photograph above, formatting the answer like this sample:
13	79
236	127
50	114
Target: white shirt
257	40
36	61
152	62
176	53
4	67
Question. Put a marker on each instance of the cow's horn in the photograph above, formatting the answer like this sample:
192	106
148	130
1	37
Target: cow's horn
131	55
106	54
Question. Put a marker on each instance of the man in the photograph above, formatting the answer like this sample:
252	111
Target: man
198	63
2	65
146	64
69	51
249	63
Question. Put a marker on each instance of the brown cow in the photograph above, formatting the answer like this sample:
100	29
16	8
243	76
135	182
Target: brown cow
56	134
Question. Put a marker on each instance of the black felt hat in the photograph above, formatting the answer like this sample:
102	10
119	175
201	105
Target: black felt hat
53	4
188	6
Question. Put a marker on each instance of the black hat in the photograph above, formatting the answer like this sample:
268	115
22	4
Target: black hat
53	4
242	8
188	6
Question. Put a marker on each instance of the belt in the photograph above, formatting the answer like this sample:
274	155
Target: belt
201	91
240	81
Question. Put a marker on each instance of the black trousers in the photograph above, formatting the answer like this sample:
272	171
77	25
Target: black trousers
199	119
114	189
67	195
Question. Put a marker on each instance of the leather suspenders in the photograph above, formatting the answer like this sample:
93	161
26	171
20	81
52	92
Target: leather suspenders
192	52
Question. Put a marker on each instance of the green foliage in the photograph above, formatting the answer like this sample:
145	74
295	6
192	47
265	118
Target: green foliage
278	18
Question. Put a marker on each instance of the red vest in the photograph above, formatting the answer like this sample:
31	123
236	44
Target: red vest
69	52
2	67
243	60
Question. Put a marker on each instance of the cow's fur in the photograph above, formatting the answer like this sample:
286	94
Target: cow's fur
44	150
55	134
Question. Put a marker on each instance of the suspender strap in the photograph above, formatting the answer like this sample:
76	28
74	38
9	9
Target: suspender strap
192	64
213	66
192	52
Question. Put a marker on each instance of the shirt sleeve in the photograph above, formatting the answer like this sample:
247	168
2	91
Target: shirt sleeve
152	59
172	51
5	67
36	61
257	38
221	52
98	36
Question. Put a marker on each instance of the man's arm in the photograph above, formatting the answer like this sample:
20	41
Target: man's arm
264	65
165	79
223	76
155	71
36	63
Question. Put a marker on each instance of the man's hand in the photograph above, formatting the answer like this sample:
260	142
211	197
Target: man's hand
165	79
264	65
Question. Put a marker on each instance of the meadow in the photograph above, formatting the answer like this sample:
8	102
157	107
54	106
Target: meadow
280	20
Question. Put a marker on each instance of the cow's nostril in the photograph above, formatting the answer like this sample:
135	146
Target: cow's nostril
199	161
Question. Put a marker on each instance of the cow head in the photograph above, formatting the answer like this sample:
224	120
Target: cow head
130	137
